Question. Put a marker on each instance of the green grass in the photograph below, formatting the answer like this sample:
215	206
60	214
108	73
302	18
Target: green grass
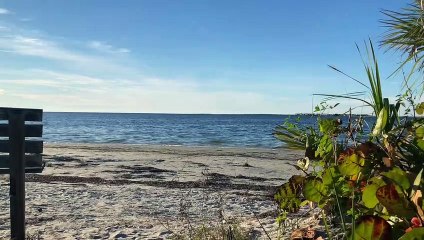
230	232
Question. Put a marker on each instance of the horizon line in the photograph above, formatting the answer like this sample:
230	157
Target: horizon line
170	113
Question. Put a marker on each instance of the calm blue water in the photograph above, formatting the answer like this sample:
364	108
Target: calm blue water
165	129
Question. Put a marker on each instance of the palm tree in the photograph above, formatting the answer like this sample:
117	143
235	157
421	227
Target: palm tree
405	33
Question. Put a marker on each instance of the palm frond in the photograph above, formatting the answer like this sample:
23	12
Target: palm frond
405	32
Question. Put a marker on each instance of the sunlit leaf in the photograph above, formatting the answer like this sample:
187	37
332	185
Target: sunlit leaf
415	234
369	196
325	147
420	108
399	177
330	175
350	163
327	126
420	144
314	190
372	228
419	132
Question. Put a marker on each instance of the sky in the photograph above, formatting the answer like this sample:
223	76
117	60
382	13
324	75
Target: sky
186	56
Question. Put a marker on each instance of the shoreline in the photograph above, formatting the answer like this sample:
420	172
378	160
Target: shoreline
101	191
144	145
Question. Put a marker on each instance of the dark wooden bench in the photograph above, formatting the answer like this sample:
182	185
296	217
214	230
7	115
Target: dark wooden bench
20	152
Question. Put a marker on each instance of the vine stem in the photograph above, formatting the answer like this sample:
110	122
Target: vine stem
353	212
327	229
335	191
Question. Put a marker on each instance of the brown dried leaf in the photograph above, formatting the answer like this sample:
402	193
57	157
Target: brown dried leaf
417	199
297	235
388	162
309	233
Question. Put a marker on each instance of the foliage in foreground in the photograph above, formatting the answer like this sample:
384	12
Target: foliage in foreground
372	181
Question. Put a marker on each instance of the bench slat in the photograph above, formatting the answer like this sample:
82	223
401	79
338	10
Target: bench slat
35	115
33	160
33	163
31	130
31	146
27	170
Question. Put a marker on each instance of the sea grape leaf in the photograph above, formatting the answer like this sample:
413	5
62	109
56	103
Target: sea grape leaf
370	227
419	132
288	194
330	175
420	108
420	143
327	126
314	190
325	147
415	234
395	203
399	177
369	196
350	163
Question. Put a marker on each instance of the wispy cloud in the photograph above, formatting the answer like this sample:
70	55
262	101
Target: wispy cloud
51	81
81	80
30	46
60	91
4	11
61	53
107	48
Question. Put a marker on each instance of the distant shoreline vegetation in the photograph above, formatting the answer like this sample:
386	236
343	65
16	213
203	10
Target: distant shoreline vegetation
257	114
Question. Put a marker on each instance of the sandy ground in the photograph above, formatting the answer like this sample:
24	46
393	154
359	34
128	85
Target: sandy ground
90	191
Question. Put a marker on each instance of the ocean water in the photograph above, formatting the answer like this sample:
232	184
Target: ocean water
166	129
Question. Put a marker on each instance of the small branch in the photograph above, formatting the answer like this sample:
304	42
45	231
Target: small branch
262	226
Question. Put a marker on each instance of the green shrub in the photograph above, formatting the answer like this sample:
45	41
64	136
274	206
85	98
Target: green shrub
373	183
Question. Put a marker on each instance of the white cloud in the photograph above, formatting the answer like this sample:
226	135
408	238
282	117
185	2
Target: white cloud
104	47
89	81
30	46
49	81
139	99
75	79
59	91
4	11
40	47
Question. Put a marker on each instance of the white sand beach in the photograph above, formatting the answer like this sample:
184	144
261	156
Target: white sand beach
94	191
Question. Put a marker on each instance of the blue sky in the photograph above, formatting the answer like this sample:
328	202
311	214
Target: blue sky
186	56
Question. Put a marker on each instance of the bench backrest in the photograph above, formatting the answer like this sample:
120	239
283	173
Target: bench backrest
28	124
